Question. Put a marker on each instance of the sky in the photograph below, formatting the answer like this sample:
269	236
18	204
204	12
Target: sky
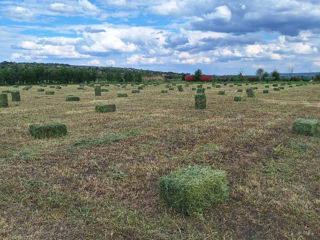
216	36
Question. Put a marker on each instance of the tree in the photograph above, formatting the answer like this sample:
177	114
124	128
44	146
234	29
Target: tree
276	75
138	77
260	73
196	76
128	76
265	75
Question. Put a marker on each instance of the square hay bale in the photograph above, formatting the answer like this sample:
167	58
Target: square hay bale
276	89
26	88
307	127
265	91
15	95
3	100
221	93
48	130
135	91
180	88
97	90
239	90
122	95
200	101
49	92
250	92
164	91
40	89
194	188
104	90
237	98
71	98
104	108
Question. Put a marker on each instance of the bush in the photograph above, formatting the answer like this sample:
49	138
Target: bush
3	100
97	90
250	92
47	130
103	108
72	98
221	92
237	98
122	95
200	100
49	92
191	189
307	127
15	95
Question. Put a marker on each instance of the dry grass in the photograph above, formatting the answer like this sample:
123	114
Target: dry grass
100	181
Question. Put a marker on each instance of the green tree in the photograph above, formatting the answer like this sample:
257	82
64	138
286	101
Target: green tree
260	73
128	77
197	74
276	75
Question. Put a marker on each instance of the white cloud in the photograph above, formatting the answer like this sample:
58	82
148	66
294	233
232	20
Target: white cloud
110	62
18	13
94	62
136	59
222	12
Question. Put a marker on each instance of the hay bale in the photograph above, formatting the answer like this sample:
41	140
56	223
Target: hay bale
4	100
171	88
221	93
48	130
237	98
103	108
71	98
97	90
164	91
192	189
265	91
122	95
266	86
218	86
104	90
15	96
49	92
52	86
180	88
58	87
307	127
40	89
281	88
239	90
135	91
276	89
193	89
200	101
81	88
250	92
26	88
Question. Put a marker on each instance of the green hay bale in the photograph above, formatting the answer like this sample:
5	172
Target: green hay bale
72	98
104	108
221	93
265	91
81	88
3	100
230	85
141	87
307	127
239	90
26	88
180	88
97	90
104	90
40	89
276	89
135	91
218	86
47	130
192	189
122	95
16	86
250	92
193	89
290	86
15	95
58	87
281	88
237	98
6	91
49	92
171	88
274	85
43	85
164	91
267	86
52	86
200	101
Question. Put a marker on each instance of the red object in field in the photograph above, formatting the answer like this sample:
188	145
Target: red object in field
205	78
188	78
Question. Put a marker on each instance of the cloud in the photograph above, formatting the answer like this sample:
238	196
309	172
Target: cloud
222	12
18	13
142	59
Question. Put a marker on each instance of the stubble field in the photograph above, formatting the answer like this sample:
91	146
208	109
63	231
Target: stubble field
100	181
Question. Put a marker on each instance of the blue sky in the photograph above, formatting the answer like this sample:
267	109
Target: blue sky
217	36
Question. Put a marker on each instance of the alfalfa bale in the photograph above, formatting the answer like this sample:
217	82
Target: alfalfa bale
135	91
237	98
250	92
307	127
49	92
40	89
3	100
164	91
48	130
97	90
71	98
180	88
122	95
15	95
104	108
200	101
265	91
221	93
239	90
192	189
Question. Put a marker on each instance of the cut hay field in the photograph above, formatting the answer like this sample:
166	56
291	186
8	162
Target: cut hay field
100	181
